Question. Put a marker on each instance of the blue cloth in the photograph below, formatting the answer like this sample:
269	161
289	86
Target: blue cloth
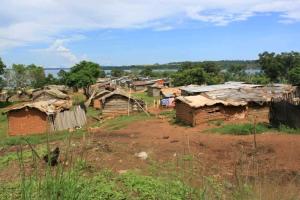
164	102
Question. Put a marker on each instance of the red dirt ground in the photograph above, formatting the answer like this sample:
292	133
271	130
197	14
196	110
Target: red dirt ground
276	156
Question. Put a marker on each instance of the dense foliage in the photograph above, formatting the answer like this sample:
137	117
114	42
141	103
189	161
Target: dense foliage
82	75
21	76
281	67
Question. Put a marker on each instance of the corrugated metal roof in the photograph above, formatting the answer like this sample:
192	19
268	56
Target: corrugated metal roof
258	95
201	101
207	88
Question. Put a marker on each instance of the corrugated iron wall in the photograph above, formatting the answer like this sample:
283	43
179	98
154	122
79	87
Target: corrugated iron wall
69	119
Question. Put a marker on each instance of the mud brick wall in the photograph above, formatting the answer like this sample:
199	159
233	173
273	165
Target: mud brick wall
27	121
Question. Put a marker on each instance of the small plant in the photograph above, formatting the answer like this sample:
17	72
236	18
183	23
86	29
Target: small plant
241	129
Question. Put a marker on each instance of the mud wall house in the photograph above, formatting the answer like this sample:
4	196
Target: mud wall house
258	98
154	90
141	85
48	94
44	116
119	103
195	110
167	97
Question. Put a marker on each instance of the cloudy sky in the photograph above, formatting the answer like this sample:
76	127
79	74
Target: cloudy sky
59	33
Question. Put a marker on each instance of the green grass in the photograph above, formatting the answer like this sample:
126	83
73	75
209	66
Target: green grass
123	121
105	185
92	112
286	129
3	126
240	129
38	139
143	96
12	156
248	128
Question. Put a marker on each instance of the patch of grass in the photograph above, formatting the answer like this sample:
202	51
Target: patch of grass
240	129
286	129
169	113
38	139
123	121
3	126
92	112
12	156
143	96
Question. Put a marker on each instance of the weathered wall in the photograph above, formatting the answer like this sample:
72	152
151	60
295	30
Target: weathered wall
153	92
117	105
184	113
202	115
26	122
261	112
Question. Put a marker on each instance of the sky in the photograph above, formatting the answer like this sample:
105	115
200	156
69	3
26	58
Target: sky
60	33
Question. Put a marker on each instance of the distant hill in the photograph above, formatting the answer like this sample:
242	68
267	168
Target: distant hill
250	64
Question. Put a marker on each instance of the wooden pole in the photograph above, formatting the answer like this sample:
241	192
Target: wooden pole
129	101
254	132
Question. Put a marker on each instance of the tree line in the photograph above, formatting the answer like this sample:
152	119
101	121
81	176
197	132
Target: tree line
274	68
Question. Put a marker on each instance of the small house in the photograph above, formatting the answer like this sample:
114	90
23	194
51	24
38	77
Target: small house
141	85
119	103
44	116
258	99
154	90
195	110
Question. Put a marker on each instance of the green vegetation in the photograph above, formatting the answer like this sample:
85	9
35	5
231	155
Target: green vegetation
281	67
31	76
248	128
78	98
123	121
105	185
286	129
241	129
82	75
13	156
37	139
3	126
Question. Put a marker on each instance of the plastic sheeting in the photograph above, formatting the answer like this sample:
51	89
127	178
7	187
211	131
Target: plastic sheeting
283	112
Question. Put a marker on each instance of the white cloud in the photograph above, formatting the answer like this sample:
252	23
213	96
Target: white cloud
58	51
31	21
